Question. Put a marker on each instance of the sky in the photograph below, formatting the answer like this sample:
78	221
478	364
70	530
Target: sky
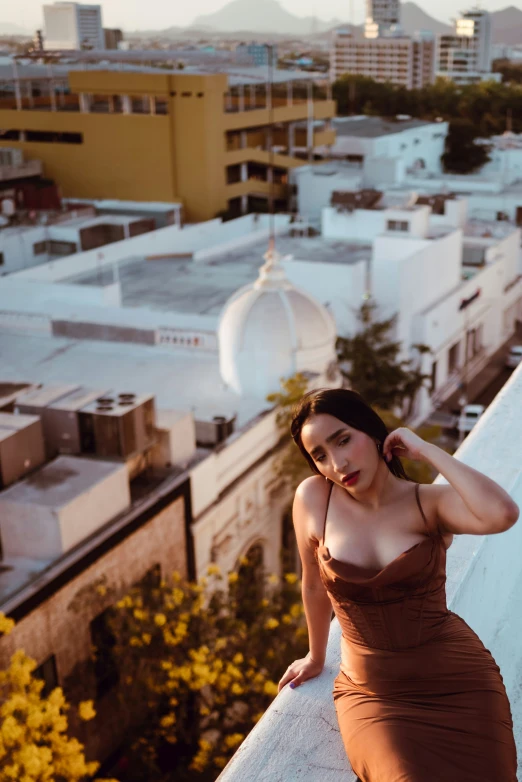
159	14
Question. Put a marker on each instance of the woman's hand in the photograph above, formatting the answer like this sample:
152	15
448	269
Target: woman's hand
299	671
404	443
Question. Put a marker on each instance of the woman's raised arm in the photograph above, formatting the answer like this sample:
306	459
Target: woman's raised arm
472	503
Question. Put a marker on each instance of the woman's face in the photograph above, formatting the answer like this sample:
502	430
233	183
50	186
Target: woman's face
341	453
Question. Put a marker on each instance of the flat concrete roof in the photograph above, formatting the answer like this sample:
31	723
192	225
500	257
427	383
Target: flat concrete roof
204	288
180	380
373	127
59	482
116	60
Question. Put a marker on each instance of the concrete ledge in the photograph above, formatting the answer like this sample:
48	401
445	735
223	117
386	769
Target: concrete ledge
298	740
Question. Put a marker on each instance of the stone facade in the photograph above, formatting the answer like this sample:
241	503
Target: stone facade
61	626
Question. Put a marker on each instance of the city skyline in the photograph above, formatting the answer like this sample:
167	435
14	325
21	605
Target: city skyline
159	14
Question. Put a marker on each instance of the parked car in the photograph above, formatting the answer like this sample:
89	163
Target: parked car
514	356
469	416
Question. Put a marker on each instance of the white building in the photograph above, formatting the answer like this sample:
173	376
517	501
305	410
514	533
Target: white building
455	284
157	314
392	57
381	15
465	56
73	26
380	151
79	225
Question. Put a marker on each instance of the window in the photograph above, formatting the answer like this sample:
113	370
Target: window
2	259
397	225
51	136
61	248
104	641
39	248
48	674
453	358
161	106
10	135
433	379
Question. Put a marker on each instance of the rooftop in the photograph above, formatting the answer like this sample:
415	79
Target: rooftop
59	482
182	379
203	289
373	127
115	60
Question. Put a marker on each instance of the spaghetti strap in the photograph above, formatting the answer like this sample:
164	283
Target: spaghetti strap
326	510
430	531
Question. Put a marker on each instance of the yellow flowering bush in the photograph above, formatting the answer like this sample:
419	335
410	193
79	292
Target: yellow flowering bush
206	658
34	743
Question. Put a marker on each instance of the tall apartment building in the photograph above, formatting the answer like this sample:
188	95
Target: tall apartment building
112	38
400	59
204	140
381	15
73	26
256	53
465	55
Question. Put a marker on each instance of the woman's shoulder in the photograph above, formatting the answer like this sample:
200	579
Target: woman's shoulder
310	501
311	495
313	488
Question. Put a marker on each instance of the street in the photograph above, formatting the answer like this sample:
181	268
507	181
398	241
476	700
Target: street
482	389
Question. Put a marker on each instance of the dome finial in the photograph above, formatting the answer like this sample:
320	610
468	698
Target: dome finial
271	274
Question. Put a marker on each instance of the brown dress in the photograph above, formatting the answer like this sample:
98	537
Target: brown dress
418	698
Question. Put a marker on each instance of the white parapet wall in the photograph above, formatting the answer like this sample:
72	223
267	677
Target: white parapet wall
298	739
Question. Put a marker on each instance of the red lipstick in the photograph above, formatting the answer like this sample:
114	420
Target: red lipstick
351	478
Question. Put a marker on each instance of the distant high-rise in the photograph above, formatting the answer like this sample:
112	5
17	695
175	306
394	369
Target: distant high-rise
381	15
113	38
408	61
73	26
465	55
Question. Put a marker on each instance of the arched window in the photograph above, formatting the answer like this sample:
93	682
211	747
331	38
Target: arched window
250	583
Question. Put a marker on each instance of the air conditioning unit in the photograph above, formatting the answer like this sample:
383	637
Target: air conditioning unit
213	432
11	156
63	420
118	425
37	402
21	446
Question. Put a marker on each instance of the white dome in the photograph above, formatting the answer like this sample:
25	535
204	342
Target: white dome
269	330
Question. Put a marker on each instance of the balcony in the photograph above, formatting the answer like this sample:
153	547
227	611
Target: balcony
252	155
288	112
256	187
298	736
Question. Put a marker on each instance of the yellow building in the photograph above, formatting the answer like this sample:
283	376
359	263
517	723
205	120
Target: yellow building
194	138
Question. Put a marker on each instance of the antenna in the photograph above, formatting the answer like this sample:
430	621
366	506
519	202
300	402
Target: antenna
271	220
509	121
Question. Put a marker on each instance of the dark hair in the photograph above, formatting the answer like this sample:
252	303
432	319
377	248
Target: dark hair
350	408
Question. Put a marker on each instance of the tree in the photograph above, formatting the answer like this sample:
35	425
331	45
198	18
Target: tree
485	105
370	365
463	155
205	659
290	465
34	744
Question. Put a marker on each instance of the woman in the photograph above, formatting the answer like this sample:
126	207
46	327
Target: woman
418	697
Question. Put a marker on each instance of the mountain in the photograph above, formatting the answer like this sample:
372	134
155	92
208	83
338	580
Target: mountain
262	16
507	25
414	18
251	18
